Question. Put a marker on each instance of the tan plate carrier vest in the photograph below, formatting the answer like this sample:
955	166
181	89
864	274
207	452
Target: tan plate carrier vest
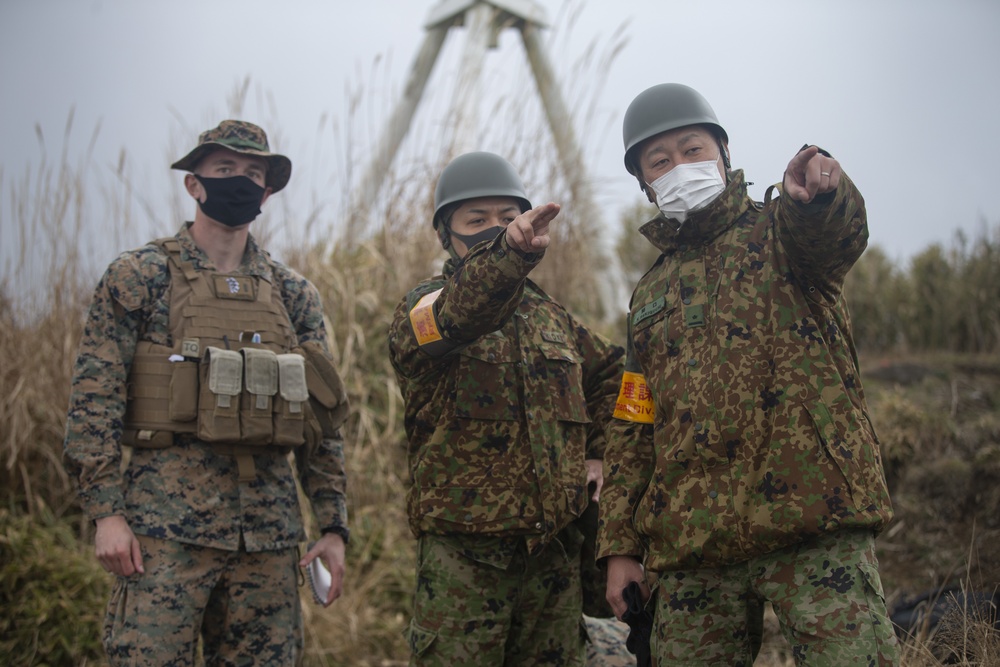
234	376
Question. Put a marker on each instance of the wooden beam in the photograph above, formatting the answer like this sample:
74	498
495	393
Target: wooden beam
613	293
396	129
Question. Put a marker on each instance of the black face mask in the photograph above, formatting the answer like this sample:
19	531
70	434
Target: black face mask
472	239
234	200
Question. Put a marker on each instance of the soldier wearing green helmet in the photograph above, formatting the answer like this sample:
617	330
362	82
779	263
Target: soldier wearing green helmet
506	399
742	465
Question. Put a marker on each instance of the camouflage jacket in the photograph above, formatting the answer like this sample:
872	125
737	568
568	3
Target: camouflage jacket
188	492
502	411
761	433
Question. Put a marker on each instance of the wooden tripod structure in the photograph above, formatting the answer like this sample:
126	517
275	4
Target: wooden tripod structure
483	20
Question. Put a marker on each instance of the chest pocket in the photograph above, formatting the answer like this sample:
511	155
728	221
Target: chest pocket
649	331
486	384
563	378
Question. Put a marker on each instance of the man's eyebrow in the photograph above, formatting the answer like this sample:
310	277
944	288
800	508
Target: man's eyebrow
656	147
487	210
688	137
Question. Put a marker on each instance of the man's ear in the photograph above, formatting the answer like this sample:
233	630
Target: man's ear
267	195
194	187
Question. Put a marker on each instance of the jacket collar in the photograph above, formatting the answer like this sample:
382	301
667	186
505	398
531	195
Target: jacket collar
256	262
704	225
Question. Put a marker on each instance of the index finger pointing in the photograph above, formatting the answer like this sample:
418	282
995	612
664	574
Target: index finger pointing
801	159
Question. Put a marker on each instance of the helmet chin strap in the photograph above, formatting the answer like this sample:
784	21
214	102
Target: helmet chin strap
454	253
444	235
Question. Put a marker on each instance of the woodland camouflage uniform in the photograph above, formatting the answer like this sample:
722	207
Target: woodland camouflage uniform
761	439
499	419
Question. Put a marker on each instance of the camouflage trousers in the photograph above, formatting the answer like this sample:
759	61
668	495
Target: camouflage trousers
826	593
468	612
244	606
606	643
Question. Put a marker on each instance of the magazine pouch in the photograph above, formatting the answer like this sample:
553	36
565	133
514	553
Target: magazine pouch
219	396
289	415
260	373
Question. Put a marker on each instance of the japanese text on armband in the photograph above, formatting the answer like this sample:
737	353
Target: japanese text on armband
422	319
635	401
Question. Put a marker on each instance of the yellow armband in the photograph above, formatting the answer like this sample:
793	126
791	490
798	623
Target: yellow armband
635	400
422	319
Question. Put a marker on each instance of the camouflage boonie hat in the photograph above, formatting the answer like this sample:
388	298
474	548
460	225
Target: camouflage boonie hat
241	137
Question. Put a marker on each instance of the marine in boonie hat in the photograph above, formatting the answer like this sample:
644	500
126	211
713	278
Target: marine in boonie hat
241	137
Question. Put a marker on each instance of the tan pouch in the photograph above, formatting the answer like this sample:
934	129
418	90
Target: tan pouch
289	417
326	389
183	401
260	371
219	395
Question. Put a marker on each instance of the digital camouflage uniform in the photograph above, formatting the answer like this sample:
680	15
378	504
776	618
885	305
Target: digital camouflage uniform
606	643
187	499
740	343
500	402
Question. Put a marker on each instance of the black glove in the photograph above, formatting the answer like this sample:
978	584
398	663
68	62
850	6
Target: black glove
640	625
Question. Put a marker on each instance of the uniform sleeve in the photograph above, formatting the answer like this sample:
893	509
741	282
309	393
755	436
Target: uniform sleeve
602	370
324	481
628	467
322	471
92	449
482	294
825	237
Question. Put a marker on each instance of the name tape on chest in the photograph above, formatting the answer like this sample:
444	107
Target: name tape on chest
239	288
422	319
635	400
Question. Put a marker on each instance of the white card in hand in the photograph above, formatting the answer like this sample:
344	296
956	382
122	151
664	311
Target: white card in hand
319	580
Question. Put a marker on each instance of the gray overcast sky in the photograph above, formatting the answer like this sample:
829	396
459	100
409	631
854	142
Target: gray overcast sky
904	92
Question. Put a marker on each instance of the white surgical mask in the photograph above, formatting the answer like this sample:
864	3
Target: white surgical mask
687	188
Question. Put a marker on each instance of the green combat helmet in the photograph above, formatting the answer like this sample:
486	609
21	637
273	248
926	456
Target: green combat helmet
664	107
471	175
241	137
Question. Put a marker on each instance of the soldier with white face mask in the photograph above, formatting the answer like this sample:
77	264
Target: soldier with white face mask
742	466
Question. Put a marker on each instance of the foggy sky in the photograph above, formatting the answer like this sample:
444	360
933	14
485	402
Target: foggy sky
903	92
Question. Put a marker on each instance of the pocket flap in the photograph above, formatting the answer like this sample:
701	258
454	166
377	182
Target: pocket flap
419	638
261	369
225	371
560	352
292	378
